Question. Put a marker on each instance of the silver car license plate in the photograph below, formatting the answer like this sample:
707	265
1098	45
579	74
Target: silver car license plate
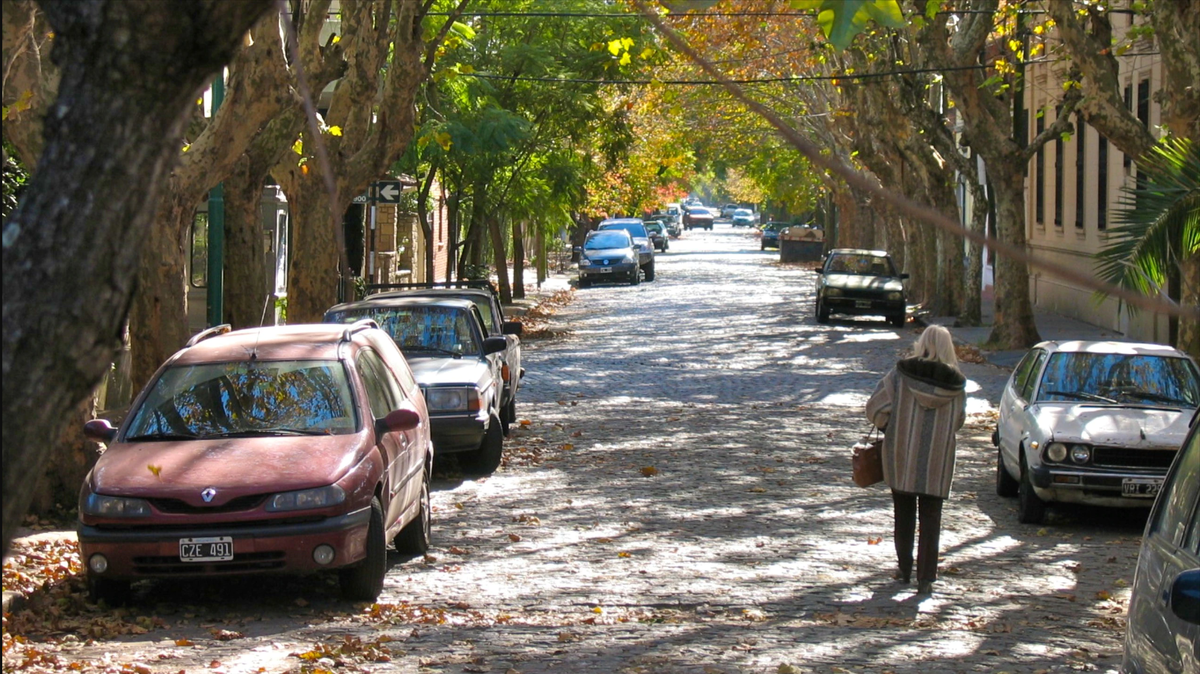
604	270
1141	487
212	549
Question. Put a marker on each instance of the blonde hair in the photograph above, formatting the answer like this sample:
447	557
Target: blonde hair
935	343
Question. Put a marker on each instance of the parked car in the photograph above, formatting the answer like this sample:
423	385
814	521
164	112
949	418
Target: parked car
485	297
770	234
641	239
1092	422
860	283
728	210
609	256
288	449
658	235
743	217
697	217
1162	635
457	365
674	220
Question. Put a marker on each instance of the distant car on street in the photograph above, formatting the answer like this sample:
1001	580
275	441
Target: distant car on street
641	239
743	217
860	283
1092	422
1163	631
289	449
457	365
728	209
697	217
770	234
608	256
658	235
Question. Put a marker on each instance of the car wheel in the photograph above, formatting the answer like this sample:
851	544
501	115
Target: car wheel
898	320
415	537
763	247
1006	485
111	592
822	312
584	284
486	459
1030	508
364	581
650	272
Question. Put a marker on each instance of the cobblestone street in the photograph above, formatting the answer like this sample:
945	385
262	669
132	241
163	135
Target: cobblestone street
677	499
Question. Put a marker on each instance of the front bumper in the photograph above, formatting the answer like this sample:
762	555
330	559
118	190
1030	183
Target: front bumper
1096	486
615	271
258	547
863	306
454	433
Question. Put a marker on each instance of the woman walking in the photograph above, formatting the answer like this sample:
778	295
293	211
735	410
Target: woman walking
919	405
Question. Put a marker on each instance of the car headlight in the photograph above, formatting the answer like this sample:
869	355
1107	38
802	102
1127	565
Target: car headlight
115	506
452	399
833	292
646	248
895	297
1056	451
629	259
584	262
1081	453
306	499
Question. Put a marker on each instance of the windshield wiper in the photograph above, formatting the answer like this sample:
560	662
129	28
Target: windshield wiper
1155	396
151	437
264	432
1080	395
433	349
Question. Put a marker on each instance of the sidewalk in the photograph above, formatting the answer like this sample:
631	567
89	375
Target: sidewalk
1050	326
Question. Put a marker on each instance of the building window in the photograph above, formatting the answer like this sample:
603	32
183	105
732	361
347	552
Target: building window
1039	186
1080	148
1126	160
1102	184
1058	177
1143	102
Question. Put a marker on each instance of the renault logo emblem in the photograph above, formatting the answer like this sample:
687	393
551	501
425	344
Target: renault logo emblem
208	494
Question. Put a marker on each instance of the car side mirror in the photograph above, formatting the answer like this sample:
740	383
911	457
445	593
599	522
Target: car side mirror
903	276
1185	596
818	270
100	430
403	419
512	328
494	345
577	249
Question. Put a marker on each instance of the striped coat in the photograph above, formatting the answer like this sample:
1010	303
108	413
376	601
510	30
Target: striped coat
920	404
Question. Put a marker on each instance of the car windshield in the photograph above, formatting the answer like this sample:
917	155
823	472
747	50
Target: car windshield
608	239
635	229
292	397
654	227
420	329
1120	379
775	226
858	263
699	210
743	211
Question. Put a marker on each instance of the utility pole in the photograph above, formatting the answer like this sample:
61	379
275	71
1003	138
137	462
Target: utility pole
216	229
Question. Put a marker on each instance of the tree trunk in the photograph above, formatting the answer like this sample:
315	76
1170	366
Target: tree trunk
518	238
1014	327
425	222
542	262
1189	328
74	455
247	289
313	278
131	70
499	257
158	317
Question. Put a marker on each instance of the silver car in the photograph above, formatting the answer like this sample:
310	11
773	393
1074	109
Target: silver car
641	240
1092	422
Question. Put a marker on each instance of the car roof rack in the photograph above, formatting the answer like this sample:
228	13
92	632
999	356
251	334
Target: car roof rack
358	326
481	284
210	332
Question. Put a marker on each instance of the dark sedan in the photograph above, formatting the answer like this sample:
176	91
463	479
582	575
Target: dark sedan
861	283
697	217
770	234
658	235
608	256
456	364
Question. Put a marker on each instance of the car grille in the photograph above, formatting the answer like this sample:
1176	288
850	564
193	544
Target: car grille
177	507
862	295
196	529
1121	457
166	565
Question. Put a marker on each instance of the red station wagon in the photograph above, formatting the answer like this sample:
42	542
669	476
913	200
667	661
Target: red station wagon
274	450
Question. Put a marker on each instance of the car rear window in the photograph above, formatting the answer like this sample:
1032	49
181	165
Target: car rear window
419	328
1123	379
247	397
854	263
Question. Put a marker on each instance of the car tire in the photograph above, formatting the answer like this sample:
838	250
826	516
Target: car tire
111	592
584	284
416	536
763	247
1030	508
898	320
822	312
650	272
364	581
486	459
1006	485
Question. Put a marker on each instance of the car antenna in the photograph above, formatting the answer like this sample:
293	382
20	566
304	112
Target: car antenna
261	321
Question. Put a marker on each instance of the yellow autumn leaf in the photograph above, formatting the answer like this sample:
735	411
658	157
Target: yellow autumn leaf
649	471
598	610
335	131
336	39
154	469
298	146
444	140
614	47
466	69
186	147
568	447
625	59
646	53
623	554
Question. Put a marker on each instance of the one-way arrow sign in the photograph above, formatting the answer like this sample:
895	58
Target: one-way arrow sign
388	191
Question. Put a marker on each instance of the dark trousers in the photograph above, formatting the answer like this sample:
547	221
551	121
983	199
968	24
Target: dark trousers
930	507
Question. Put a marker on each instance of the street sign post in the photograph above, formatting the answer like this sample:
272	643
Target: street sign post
388	191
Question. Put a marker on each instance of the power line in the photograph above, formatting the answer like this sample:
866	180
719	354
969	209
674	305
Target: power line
764	80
